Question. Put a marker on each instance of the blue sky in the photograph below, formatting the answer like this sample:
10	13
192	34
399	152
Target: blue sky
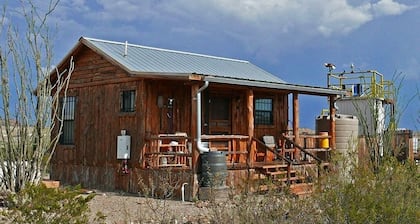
289	38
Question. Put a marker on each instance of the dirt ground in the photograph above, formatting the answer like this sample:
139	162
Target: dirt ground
123	208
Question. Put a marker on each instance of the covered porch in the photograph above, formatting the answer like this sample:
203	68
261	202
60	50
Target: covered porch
248	154
223	116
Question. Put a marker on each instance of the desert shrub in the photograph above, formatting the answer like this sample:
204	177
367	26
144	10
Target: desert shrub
158	184
272	207
387	195
39	204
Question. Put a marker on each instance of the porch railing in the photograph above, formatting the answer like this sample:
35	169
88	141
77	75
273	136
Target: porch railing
167	150
175	150
234	146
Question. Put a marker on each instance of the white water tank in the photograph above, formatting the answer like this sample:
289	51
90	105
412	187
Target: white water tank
346	130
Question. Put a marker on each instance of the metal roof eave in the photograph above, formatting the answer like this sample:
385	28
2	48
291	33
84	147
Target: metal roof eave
310	90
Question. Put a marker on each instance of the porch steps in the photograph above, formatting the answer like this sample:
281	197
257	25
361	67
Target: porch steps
277	174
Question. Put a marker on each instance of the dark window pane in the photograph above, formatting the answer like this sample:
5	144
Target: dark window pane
67	135
128	101
263	111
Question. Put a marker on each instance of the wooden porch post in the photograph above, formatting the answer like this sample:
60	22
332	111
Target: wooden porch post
296	122
332	133
250	112
250	119
193	132
195	154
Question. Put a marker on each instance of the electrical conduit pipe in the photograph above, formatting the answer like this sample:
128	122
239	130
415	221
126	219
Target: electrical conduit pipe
183	191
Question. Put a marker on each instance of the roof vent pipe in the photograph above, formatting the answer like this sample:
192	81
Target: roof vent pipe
125	48
200	146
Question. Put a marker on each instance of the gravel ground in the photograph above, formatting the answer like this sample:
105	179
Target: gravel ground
120	208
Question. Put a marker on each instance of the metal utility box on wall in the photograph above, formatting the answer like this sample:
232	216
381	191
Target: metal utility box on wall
123	146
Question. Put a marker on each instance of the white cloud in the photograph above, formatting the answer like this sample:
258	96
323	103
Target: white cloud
389	7
280	16
257	24
341	18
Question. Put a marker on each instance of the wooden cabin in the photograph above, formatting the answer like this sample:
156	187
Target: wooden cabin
140	116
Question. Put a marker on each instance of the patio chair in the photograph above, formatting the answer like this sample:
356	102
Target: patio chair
270	142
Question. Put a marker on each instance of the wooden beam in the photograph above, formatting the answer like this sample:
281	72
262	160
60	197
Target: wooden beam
194	149
250	112
193	129
250	118
296	121
332	121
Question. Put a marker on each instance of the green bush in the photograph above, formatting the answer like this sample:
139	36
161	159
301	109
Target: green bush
357	195
388	195
39	204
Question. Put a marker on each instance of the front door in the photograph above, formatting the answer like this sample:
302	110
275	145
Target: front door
219	116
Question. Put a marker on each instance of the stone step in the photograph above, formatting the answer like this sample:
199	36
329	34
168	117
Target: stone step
280	172
258	176
301	189
291	179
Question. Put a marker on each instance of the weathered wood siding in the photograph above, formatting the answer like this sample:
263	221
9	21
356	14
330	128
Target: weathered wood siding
158	120
91	161
97	84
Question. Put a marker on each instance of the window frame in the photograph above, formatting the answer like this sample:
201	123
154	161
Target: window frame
128	101
67	136
263	110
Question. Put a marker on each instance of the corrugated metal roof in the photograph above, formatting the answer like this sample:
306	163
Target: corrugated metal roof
169	63
142	59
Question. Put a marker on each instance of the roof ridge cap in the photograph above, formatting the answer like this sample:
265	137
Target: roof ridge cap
167	50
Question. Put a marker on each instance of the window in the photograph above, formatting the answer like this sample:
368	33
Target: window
69	106
127	102
263	111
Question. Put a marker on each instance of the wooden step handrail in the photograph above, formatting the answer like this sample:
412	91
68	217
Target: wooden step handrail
301	148
319	161
289	161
